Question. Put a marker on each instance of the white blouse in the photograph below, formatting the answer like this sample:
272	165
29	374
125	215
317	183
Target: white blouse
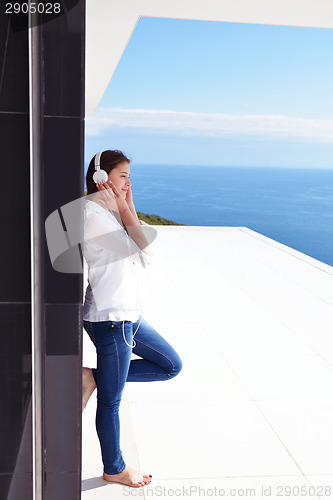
112	256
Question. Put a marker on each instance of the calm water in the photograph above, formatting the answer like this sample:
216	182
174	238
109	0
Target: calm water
292	206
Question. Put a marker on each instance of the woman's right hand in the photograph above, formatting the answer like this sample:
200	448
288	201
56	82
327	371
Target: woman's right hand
105	196
110	197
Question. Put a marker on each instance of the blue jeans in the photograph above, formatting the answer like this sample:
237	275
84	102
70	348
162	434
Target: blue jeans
114	367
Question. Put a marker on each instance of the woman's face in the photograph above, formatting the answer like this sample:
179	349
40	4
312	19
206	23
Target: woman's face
120	177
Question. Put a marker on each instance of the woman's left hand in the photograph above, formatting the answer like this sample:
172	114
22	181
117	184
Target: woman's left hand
120	199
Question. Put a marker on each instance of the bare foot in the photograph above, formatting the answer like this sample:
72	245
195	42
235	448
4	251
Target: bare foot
128	476
88	385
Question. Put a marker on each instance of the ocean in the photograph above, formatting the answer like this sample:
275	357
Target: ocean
290	205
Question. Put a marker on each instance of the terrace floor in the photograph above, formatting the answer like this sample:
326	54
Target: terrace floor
251	413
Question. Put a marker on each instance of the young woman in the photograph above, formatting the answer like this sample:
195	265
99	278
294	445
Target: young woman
114	245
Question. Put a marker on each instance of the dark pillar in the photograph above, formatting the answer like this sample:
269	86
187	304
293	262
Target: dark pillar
57	178
63	43
15	289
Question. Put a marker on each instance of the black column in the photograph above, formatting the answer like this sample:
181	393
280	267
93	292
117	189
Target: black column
61	153
63	45
15	294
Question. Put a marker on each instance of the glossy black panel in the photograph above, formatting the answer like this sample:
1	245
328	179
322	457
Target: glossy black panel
16	486
4	27
63	322
63	159
63	413
64	65
14	67
5	480
15	293
62	91
63	176
15	212
15	387
61	154
63	183
63	486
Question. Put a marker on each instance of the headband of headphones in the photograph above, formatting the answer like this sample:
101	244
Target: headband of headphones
98	160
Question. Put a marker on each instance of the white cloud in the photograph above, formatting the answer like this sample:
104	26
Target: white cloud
212	125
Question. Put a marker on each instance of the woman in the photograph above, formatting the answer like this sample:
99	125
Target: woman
114	245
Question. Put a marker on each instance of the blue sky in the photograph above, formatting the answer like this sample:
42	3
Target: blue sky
210	93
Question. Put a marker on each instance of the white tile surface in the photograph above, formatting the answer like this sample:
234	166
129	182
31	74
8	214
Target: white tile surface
323	485
203	378
273	487
295	266
252	321
207	439
205	375
305	312
88	352
306	430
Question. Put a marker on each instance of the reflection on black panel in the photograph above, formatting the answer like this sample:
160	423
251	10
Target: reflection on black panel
14	67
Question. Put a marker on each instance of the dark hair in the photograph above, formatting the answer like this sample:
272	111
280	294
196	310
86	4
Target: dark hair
109	160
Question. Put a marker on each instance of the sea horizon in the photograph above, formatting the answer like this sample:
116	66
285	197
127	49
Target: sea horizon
291	205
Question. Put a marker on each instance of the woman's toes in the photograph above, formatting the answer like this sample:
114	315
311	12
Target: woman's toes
130	477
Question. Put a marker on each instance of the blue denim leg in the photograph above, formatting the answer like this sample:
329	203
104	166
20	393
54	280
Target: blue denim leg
113	360
160	361
114	367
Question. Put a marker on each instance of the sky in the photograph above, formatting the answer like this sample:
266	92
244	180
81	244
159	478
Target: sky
224	94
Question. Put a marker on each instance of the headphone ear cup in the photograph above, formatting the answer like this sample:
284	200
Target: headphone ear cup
100	176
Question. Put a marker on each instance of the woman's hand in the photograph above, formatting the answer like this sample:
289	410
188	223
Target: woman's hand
105	196
129	197
110	197
130	203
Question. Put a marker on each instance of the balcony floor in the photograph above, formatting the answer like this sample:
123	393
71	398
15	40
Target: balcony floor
252	408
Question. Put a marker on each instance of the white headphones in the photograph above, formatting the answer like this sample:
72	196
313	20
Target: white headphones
99	175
